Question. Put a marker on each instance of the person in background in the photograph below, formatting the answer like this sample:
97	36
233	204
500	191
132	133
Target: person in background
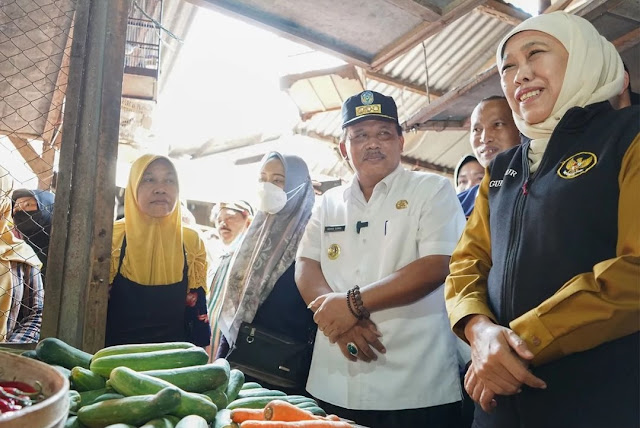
493	131
627	97
33	215
21	291
260	287
158	265
231	220
466	176
544	281
371	266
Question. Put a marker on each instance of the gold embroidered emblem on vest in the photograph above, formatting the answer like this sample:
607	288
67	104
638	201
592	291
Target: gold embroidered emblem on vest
402	204
577	165
333	252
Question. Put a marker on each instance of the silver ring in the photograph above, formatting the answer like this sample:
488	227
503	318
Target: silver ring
352	348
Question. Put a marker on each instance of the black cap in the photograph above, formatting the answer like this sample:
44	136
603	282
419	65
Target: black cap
369	105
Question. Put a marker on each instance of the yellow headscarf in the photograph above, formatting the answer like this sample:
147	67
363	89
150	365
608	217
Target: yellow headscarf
154	253
594	72
12	249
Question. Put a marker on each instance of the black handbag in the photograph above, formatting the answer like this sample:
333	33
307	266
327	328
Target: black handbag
272	357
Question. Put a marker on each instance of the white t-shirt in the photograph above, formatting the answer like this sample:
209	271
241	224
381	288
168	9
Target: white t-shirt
409	215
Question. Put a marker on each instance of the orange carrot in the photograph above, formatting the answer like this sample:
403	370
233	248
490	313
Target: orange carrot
299	424
241	415
280	410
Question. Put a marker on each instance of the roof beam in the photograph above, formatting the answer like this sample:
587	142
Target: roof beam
596	8
443	103
42	166
399	83
426	165
442	125
422	32
418	8
347	71
559	5
628	40
503	12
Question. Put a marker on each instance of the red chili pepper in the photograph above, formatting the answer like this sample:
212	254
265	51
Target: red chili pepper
24	387
8	406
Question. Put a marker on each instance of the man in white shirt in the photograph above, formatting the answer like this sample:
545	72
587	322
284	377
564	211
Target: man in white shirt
371	266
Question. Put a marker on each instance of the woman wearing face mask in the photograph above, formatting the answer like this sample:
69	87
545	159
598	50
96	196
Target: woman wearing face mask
231	220
544	281
260	287
32	215
158	265
21	293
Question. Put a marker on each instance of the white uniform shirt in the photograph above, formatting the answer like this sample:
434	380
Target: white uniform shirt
410	215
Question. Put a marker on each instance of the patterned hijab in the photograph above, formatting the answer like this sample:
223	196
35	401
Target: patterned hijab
594	72
268	249
12	249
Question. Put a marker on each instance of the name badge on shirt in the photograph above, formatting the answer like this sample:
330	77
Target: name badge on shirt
335	228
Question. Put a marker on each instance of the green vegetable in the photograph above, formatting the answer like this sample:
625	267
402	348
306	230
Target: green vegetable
30	354
163	422
86	380
130	410
137	348
56	352
252	402
89	397
196	378
223	420
315	410
218	397
251	385
74	401
236	380
192	421
168	359
73	422
259	392
128	382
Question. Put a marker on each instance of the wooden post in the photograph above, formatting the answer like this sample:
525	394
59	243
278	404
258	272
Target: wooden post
80	249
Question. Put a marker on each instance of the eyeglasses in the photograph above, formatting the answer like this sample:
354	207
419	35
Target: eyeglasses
361	137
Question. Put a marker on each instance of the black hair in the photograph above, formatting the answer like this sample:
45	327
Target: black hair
493	98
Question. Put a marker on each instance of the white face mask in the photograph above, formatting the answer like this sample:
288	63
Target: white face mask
272	199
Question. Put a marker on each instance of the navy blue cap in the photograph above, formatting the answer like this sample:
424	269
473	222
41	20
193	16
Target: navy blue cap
369	105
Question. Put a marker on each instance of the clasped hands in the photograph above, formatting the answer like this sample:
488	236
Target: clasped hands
499	363
334	319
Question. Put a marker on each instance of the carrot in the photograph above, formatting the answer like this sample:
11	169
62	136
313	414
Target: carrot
280	410
298	424
241	415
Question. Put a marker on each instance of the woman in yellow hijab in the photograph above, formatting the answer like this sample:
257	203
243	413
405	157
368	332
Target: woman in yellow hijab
21	293
158	265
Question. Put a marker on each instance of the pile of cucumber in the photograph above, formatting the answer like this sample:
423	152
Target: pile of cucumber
162	385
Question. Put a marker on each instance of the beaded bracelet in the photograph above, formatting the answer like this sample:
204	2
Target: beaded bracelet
349	293
362	311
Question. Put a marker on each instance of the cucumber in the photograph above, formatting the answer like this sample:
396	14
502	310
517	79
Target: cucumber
73	422
163	422
316	411
128	382
236	380
298	399
30	354
194	379
218	397
251	385
137	348
168	359
223	420
130	410
252	402
56	352
108	396
192	421
86	380
259	392
89	397
74	401
120	426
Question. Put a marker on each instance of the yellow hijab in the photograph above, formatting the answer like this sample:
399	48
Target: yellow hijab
12	249
594	72
154	253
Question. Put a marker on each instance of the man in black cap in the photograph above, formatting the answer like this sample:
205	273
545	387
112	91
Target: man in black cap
371	266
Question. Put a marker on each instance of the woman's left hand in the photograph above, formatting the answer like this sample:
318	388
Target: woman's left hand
478	391
332	315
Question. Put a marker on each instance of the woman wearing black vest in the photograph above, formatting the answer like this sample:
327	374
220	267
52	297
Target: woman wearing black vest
544	283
